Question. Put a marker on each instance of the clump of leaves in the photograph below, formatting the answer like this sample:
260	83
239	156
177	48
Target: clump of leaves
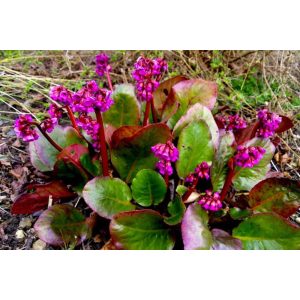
155	161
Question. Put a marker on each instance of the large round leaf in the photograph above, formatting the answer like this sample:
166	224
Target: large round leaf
194	229
195	146
43	154
107	196
195	113
61	225
190	92
141	230
247	178
131	152
219	168
126	109
268	231
279	195
148	188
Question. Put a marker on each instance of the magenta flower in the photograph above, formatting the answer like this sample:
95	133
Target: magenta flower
23	128
268	123
146	72
233	122
164	167
91	127
247	157
166	151
49	124
211	201
103	100
102	64
202	171
54	111
61	94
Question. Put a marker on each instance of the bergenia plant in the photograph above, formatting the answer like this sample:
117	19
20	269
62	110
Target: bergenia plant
155	161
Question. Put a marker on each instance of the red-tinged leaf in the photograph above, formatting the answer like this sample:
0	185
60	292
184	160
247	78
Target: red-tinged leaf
279	195
131	148
62	225
38	196
224	241
164	100
190	92
246	134
285	124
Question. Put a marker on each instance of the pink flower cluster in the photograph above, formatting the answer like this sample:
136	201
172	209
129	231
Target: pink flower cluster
102	64
23	128
61	94
247	157
233	122
201	171
268	123
147	73
166	153
90	97
210	201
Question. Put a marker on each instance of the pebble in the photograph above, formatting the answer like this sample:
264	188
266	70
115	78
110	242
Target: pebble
25	223
39	245
297	220
20	235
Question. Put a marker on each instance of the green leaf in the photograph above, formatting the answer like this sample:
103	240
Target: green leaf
141	230
268	231
43	154
195	113
239	214
176	209
279	195
246	178
219	169
148	188
131	148
126	109
195	146
190	92
62	225
194	229
107	196
224	241
181	190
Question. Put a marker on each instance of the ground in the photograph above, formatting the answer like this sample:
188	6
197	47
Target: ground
246	80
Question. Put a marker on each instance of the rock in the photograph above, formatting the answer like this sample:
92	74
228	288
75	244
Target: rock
39	245
25	223
297	220
20	235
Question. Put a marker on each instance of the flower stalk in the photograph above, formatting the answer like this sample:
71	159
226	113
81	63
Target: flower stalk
103	150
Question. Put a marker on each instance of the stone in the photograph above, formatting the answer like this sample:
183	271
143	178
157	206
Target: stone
20	235
297	220
39	245
25	223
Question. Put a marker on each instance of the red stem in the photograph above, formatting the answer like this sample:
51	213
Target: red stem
72	118
153	111
166	179
103	150
147	112
109	80
190	190
228	180
49	139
